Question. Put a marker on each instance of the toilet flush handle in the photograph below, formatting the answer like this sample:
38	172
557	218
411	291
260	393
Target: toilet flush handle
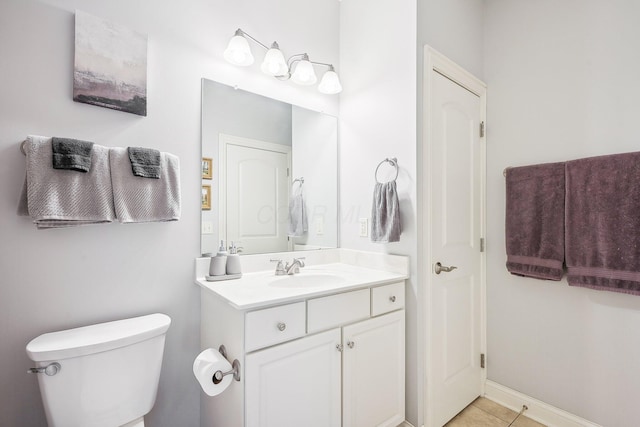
51	369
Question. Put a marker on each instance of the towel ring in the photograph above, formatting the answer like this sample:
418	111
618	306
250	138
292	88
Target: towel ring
22	147
394	163
300	180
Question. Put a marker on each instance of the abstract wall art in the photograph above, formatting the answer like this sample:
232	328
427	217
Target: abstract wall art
110	68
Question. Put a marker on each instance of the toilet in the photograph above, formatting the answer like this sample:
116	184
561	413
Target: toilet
103	375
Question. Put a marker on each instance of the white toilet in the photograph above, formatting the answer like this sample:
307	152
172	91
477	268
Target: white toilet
103	375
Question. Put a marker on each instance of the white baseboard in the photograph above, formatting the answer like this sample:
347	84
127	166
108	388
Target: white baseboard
405	424
537	410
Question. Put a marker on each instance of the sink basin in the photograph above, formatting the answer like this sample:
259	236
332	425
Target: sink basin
306	280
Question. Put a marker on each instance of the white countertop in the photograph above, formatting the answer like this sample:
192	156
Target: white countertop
264	288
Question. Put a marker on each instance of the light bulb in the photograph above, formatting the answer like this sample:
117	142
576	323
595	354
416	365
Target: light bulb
304	73
330	83
238	52
274	63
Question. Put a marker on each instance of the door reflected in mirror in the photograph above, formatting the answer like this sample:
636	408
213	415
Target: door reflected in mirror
274	183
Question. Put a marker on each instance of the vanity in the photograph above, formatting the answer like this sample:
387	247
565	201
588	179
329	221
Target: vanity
323	347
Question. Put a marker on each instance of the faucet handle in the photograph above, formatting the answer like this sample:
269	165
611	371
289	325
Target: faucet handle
279	267
300	260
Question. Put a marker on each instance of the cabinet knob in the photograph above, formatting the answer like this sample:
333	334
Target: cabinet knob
351	344
282	326
339	347
392	298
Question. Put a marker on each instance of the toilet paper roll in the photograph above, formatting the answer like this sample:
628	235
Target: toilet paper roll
206	365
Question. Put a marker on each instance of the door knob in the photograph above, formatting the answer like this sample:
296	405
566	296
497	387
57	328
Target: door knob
438	268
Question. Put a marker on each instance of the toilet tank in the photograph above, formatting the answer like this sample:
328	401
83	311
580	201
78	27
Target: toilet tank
109	372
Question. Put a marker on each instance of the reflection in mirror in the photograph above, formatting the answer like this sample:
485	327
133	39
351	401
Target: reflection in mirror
273	173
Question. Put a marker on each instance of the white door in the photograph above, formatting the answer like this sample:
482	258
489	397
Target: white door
454	269
295	384
257	194
373	372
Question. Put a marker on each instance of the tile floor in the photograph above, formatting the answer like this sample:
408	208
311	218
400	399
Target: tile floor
483	412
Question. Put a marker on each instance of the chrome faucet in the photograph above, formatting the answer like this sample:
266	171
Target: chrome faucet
295	266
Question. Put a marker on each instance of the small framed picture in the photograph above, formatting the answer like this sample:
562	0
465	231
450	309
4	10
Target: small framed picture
206	198
207	168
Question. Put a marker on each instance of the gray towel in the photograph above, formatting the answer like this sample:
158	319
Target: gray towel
63	198
534	226
385	213
297	214
72	154
603	223
145	162
139	199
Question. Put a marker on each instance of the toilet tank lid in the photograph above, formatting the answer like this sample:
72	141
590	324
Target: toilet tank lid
96	338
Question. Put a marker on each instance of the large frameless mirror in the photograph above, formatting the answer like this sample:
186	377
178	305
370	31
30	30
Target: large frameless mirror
269	173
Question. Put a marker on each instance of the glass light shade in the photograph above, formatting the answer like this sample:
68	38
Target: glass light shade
304	73
274	63
330	83
238	52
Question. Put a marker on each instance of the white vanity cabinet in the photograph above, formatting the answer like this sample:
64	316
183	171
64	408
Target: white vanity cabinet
328	361
295	384
373	372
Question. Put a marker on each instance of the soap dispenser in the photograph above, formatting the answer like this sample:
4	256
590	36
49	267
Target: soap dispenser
218	265
233	260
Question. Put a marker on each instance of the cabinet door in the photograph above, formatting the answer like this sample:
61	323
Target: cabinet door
373	372
295	384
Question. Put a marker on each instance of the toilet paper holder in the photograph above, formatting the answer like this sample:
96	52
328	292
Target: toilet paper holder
235	368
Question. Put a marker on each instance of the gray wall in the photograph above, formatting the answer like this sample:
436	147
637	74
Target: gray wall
381	116
563	84
56	279
378	120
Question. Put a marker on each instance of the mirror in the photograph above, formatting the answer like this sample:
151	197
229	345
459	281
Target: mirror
269	173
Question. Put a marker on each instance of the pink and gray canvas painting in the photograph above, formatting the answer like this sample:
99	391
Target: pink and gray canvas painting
110	65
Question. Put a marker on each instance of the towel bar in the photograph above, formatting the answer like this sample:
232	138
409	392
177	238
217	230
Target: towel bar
300	180
393	162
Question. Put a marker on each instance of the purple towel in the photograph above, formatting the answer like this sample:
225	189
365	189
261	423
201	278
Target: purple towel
535	221
603	223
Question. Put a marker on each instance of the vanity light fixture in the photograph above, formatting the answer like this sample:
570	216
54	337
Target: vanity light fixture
299	68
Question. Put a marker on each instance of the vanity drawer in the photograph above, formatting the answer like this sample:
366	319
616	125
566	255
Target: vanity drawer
387	298
274	325
335	310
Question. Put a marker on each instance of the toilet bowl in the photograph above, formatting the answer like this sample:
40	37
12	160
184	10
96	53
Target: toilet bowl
103	375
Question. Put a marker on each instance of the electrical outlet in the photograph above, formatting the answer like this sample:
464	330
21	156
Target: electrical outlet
364	227
207	227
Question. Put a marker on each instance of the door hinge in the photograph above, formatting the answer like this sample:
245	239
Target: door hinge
287	172
481	129
482	360
482	244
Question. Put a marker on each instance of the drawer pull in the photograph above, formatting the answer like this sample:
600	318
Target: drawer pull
392	298
351	344
282	326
